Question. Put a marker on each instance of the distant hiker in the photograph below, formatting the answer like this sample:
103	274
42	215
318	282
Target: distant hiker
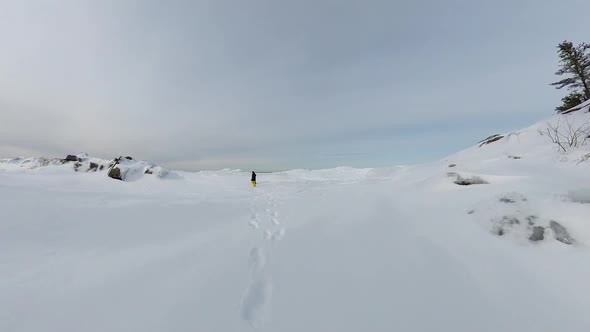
253	180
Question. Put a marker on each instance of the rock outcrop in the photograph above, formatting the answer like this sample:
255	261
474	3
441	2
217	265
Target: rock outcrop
560	233
120	168
490	139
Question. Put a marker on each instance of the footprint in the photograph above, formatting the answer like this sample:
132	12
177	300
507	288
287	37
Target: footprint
257	259
254	224
268	234
255	307
256	302
279	235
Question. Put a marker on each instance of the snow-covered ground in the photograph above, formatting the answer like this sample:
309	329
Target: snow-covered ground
390	249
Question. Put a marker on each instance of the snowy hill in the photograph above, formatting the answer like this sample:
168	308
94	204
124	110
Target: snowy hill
121	168
492	238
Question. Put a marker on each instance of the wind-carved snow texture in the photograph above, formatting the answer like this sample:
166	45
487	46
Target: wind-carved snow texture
255	307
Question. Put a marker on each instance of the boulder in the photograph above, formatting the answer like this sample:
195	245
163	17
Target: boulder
537	235
560	233
71	157
115	173
469	181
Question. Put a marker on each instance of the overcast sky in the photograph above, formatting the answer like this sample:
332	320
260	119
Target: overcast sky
272	84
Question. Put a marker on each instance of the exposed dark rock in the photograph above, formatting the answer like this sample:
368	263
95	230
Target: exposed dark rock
452	165
560	233
507	200
466	181
500	231
469	181
71	158
514	157
490	139
115	173
510	220
538	232
114	162
471	212
531	219
128	158
77	166
93	167
101	167
148	171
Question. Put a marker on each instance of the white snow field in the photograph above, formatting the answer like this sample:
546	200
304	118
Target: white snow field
393	249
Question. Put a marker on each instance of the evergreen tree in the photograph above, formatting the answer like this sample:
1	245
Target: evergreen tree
574	99
575	63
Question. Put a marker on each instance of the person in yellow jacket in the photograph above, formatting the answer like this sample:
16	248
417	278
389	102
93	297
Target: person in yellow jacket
253	179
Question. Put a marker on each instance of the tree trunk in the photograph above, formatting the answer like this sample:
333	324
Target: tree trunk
586	88
583	78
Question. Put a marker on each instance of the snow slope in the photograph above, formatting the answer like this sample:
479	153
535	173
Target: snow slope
391	249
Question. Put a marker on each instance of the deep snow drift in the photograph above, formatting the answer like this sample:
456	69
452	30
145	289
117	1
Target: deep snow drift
474	242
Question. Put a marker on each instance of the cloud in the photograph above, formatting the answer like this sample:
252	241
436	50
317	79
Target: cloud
234	84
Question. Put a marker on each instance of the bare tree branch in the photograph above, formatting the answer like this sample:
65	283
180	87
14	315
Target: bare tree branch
569	135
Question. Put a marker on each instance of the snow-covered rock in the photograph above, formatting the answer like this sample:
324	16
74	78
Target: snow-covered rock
561	234
121	168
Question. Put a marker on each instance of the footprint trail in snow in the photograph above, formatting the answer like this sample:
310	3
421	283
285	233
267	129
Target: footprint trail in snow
255	306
